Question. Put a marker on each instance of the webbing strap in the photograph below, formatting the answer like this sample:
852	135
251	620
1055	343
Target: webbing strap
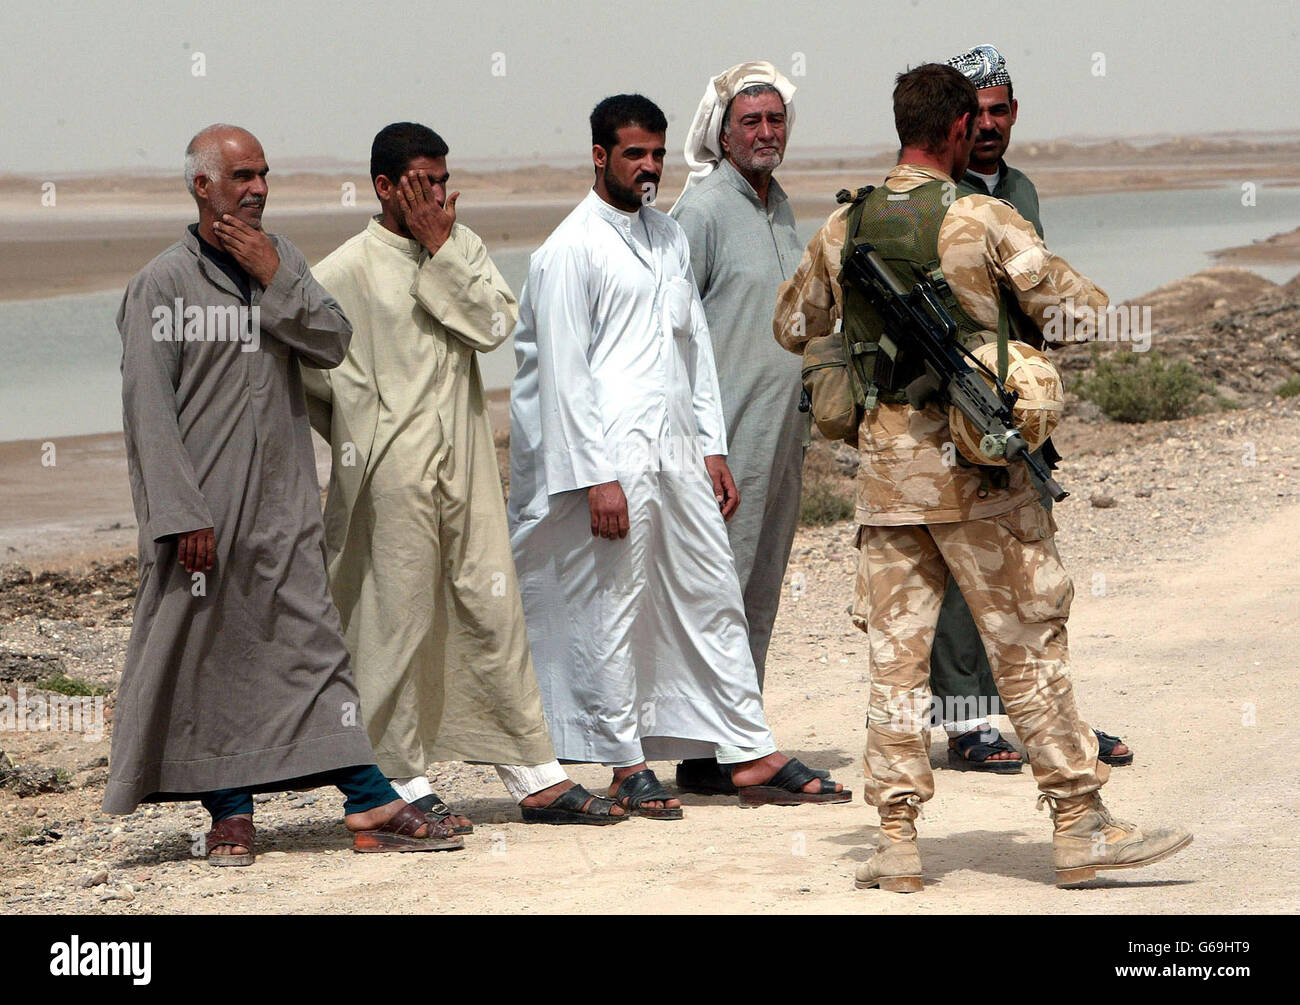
1004	336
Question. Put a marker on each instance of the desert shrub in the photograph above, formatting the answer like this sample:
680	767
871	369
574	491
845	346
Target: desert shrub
825	502
1289	388
63	684
1143	387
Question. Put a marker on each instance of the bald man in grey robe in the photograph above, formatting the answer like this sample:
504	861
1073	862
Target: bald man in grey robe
743	246
237	677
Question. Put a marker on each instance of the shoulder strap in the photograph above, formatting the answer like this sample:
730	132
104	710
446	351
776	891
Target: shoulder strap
854	222
1004	334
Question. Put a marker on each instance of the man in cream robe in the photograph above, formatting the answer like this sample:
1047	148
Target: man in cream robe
616	429
419	554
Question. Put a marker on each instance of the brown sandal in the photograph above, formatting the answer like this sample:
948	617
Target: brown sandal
231	832
398	834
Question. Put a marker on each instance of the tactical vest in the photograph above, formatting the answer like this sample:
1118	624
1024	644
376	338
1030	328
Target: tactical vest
903	227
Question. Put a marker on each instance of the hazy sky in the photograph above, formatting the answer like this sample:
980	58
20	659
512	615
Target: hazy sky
111	85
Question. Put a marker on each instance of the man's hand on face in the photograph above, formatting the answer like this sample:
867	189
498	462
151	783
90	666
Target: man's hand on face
608	508
429	223
196	549
249	246
724	486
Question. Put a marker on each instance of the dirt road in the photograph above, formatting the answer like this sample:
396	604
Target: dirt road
1192	659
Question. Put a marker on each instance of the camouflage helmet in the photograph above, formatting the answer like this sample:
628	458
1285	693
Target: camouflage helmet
1038	409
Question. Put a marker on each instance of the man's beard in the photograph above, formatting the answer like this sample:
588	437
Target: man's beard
628	198
222	209
757	163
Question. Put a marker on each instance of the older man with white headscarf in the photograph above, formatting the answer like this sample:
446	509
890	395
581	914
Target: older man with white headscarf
743	246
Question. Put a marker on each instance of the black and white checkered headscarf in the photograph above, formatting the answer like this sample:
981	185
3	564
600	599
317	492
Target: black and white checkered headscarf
983	66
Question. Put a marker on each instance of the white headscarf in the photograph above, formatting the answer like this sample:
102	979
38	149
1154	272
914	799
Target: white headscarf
703	143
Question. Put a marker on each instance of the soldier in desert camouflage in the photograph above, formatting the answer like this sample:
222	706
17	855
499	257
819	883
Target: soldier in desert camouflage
922	517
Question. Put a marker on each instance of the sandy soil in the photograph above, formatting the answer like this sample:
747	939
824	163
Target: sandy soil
1183	628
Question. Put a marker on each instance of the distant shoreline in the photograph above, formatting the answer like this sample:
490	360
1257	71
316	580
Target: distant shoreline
101	232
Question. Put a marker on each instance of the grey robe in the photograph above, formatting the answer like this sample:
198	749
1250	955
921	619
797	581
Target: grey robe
247	683
741	252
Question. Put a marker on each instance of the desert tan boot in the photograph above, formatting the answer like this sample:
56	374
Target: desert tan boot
1088	839
896	863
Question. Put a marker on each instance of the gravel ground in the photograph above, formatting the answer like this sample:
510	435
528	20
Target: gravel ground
1140	497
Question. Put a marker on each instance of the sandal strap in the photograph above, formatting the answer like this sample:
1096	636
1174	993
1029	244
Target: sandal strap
1106	743
976	750
576	798
433	806
794	775
232	832
407	821
641	787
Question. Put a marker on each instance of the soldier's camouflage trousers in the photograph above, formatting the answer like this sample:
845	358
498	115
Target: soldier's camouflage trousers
1019	593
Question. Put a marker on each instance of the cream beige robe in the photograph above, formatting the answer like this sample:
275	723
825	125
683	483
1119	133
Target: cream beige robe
415	524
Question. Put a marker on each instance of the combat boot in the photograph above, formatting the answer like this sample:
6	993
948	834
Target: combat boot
1088	839
896	863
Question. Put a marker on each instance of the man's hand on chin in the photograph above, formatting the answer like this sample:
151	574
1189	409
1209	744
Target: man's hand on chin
249	246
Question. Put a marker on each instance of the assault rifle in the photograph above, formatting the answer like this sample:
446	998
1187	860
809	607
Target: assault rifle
917	320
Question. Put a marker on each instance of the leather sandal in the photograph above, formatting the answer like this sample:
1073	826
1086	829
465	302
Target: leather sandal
398	835
438	811
643	787
785	788
232	832
703	776
971	752
568	808
1106	745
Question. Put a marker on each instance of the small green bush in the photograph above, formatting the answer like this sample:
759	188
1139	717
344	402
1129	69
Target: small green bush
1143	387
822	504
1289	388
62	684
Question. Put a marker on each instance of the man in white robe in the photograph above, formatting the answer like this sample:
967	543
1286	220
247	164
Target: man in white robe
634	609
415	528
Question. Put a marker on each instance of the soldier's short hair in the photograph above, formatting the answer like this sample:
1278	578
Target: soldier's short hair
927	100
620	110
396	145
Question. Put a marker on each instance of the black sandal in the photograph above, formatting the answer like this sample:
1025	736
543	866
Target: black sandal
438	811
1106	745
970	752
704	776
785	788
570	807
642	787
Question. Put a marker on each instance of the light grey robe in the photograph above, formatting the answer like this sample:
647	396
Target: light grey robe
247	682
741	252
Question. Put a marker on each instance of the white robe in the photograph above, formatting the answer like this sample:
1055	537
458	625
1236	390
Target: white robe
640	644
